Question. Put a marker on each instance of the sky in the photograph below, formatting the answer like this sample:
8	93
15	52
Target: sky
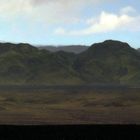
67	22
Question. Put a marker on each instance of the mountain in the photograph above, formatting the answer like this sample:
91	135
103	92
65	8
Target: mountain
138	49
73	48
106	62
25	64
109	62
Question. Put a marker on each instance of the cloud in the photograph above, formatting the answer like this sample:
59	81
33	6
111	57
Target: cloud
10	10
105	22
49	11
64	11
127	10
60	31
64	2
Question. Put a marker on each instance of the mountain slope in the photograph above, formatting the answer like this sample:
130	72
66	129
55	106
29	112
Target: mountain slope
25	64
107	62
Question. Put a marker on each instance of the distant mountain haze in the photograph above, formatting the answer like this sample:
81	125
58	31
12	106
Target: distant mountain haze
73	48
102	63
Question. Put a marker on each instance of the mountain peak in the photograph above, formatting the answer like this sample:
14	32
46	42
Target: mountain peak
115	42
112	44
112	41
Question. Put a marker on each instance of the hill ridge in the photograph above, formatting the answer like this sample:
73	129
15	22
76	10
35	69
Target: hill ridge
110	61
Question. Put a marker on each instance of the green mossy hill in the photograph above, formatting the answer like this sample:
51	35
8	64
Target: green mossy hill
107	62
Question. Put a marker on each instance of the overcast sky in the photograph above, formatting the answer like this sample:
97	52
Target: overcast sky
63	22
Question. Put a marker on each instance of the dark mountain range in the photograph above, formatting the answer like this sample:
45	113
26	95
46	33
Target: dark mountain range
138	49
73	48
106	62
110	61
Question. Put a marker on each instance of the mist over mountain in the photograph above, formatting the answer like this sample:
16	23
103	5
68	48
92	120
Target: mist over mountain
72	48
106	62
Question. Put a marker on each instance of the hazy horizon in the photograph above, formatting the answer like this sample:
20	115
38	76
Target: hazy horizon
64	45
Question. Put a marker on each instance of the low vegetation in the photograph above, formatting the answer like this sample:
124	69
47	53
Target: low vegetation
107	62
69	105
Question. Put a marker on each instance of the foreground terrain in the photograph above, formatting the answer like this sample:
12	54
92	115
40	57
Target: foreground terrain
69	105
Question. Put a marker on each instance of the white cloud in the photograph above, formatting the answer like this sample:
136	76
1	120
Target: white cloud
49	11
64	11
64	2
106	22
60	31
127	10
14	8
68	12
